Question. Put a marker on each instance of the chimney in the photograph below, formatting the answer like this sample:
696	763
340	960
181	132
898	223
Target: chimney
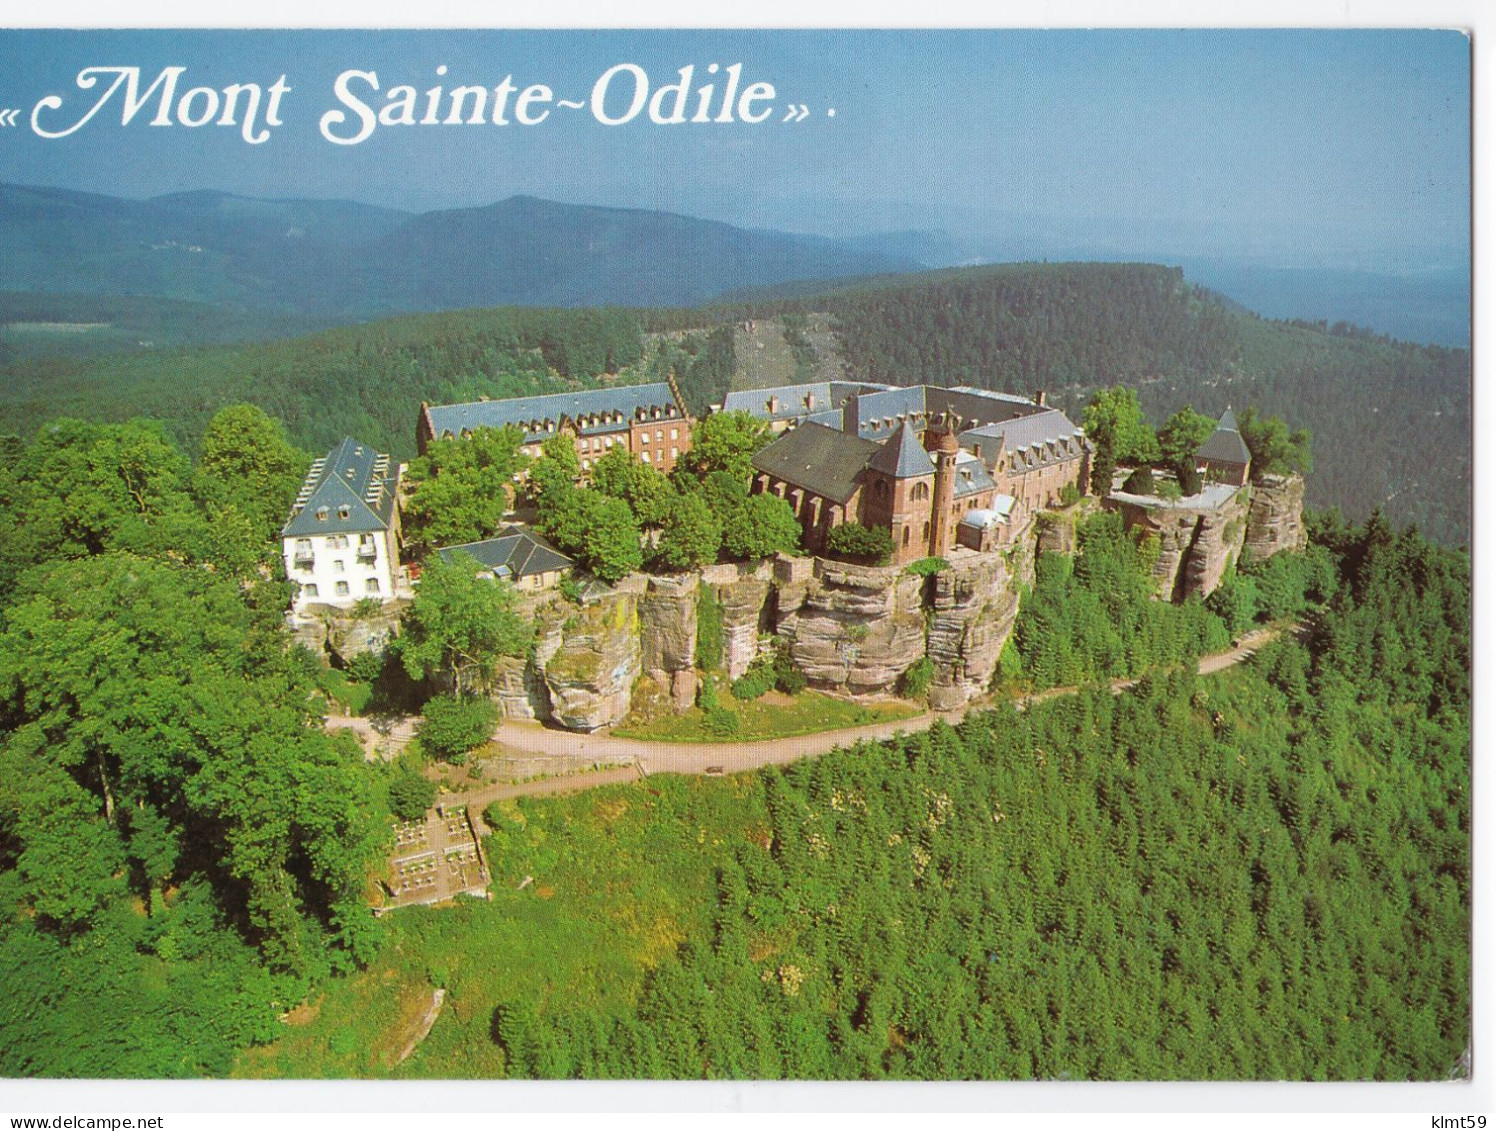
1039	398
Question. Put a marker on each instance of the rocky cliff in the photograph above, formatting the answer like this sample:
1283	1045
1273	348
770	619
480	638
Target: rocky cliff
975	607
667	626
589	661
342	634
1195	542
1275	520
858	627
742	591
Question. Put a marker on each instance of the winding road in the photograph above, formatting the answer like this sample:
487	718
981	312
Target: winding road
642	757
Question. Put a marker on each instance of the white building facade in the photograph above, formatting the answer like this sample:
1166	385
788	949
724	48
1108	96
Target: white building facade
342	543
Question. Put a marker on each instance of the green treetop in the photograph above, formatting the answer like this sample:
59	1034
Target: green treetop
1275	450
725	441
646	490
760	527
460	624
691	537
1115	424
463	487
1182	434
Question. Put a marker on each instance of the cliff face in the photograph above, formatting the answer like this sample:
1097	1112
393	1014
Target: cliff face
975	607
342	634
519	690
1195	543
859	627
590	660
667	626
1275	520
742	593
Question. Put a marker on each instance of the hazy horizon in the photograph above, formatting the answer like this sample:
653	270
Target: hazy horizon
1346	150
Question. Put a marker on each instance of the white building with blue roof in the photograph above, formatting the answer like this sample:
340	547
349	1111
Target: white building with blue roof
341	543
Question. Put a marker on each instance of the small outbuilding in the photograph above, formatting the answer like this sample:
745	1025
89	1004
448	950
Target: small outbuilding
1224	458
988	527
517	555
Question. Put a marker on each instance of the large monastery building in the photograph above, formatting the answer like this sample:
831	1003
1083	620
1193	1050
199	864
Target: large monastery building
648	420
935	467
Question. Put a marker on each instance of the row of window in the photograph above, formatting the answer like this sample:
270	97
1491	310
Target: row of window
659	436
366	544
309	564
674	452
340	589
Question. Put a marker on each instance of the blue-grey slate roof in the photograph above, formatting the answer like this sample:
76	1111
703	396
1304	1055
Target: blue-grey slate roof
1225	443
972	476
903	456
351	487
1038	438
513	553
579	407
794	401
821	460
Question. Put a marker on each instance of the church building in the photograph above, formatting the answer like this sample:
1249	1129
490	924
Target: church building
934	467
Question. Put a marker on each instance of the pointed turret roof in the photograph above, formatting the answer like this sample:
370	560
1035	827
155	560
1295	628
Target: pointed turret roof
1225	443
902	456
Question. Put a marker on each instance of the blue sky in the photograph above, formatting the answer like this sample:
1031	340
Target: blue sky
1340	148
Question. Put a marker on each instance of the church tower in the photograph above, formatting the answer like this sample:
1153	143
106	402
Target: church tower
942	506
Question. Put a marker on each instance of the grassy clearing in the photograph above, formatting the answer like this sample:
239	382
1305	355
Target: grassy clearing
349	695
576	932
772	716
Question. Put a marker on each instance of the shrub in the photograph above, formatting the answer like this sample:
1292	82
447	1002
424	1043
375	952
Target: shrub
708	630
366	607
1069	495
758	679
570	589
915	681
1189	478
927	567
788	678
706	694
720	721
366	667
854	542
411	795
1140	482
451	726
1168	489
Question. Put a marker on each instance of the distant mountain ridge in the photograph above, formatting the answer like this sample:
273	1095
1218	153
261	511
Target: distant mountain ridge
350	260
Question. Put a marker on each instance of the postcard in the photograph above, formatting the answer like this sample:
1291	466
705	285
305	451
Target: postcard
737	555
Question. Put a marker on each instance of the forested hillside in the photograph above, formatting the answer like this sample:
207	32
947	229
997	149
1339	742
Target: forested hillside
1391	421
364	381
342	259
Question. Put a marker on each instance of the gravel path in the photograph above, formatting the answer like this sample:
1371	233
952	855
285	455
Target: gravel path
644	758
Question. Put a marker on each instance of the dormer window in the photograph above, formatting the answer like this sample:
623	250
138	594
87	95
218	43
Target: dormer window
322	513
343	511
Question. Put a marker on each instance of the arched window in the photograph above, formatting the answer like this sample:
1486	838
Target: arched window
921	491
906	536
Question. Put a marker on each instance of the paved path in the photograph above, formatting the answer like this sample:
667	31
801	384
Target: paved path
643	757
